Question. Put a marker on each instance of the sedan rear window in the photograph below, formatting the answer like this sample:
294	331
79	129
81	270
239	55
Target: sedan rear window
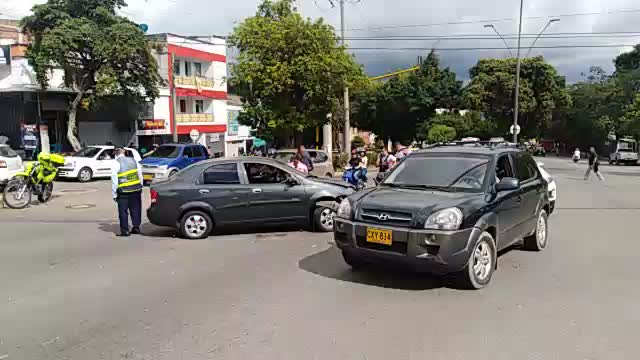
439	172
7	152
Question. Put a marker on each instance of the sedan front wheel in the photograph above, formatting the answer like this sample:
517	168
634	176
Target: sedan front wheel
323	219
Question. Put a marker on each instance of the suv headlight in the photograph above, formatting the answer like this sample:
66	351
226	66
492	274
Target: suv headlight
447	219
344	209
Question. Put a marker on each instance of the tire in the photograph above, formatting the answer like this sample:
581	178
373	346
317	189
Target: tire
195	225
323	219
352	261
328	175
172	174
85	174
16	185
538	241
47	192
481	264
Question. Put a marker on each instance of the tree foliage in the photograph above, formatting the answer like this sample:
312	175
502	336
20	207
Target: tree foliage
395	109
542	93
440	134
290	71
466	124
100	52
358	142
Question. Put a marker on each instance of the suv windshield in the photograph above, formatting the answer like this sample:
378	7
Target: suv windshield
166	151
439	172
88	152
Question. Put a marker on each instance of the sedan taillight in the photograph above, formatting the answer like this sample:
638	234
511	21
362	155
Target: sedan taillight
3	164
154	196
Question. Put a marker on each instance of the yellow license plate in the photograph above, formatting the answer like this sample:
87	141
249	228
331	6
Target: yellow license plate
147	177
379	236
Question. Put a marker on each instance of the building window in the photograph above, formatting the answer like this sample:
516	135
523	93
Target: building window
183	106
197	69
199	106
187	68
176	67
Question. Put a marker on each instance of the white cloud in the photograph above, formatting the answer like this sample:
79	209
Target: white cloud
199	17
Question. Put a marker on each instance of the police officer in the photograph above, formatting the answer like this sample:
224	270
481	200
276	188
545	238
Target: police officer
126	186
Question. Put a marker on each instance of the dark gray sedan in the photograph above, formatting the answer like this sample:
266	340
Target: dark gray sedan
243	191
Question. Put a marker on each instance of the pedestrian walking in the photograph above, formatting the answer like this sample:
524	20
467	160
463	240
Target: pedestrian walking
126	188
594	164
306	159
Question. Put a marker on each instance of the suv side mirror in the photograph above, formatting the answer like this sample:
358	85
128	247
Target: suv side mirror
508	184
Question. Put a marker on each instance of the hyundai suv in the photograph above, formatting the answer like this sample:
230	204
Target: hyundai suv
448	210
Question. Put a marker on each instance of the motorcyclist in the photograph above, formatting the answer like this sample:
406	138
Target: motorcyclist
576	155
47	170
356	164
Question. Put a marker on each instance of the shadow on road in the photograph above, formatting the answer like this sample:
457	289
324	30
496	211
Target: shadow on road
329	263
151	230
147	229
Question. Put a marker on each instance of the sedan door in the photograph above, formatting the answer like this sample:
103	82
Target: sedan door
508	204
532	188
272	198
104	163
221	187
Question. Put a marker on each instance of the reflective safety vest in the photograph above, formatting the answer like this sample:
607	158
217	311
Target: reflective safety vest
128	178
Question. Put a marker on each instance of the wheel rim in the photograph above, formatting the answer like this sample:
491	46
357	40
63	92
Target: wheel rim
17	195
326	218
85	175
195	225
482	261
541	231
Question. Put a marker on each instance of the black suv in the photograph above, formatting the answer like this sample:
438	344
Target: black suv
448	210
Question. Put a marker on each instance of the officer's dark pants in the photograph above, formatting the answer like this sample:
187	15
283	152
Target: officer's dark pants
129	204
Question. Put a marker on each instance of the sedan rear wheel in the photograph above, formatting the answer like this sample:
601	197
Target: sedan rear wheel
540	237
196	225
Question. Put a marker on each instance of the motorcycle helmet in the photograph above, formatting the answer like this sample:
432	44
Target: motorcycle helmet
44	157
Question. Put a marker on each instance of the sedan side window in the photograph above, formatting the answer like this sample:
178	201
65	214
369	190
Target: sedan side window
264	174
221	174
524	167
503	168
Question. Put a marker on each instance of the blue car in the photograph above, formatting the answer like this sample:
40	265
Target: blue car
168	159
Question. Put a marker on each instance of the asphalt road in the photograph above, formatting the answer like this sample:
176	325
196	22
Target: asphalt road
69	289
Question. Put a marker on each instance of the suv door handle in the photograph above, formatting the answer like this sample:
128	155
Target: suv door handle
256	191
203	191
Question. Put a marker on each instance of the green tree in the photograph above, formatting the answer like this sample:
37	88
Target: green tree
399	108
100	52
290	71
440	134
542	92
628	61
466	124
357	142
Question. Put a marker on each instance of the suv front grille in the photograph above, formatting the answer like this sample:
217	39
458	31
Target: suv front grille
396	247
385	217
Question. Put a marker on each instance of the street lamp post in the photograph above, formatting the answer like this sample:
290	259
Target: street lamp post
500	36
540	34
517	92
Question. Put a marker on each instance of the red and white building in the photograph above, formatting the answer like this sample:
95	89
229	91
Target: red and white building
198	70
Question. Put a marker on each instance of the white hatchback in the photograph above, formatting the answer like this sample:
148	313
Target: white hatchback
91	162
10	163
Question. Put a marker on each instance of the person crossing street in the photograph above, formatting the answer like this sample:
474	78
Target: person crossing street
594	164
126	186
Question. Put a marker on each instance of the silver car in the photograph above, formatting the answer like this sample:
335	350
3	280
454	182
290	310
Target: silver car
322	164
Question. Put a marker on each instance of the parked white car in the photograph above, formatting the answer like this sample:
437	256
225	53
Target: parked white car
91	162
551	188
10	164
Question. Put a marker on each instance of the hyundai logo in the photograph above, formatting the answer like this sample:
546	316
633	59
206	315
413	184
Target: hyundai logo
383	217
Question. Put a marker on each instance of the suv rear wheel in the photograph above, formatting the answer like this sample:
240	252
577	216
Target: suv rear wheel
195	225
481	264
539	239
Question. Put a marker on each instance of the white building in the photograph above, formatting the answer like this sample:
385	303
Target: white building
238	136
198	71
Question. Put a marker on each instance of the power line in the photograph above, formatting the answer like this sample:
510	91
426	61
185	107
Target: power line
492	20
494	37
486	48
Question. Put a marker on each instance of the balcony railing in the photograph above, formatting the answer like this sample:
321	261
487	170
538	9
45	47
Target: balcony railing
194	118
196	81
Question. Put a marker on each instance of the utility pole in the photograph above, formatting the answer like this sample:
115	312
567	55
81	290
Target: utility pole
173	97
517	95
347	124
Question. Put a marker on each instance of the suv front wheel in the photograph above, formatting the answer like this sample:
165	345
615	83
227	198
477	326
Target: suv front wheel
481	264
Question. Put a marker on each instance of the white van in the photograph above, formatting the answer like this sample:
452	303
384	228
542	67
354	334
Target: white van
623	151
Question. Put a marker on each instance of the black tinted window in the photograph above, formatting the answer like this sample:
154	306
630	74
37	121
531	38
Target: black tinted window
197	151
440	171
264	174
503	167
526	168
221	174
188	152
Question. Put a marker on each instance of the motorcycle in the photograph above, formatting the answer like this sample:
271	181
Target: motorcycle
576	157
349	176
19	190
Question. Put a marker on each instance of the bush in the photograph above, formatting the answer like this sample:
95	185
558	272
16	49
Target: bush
340	160
357	142
440	133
